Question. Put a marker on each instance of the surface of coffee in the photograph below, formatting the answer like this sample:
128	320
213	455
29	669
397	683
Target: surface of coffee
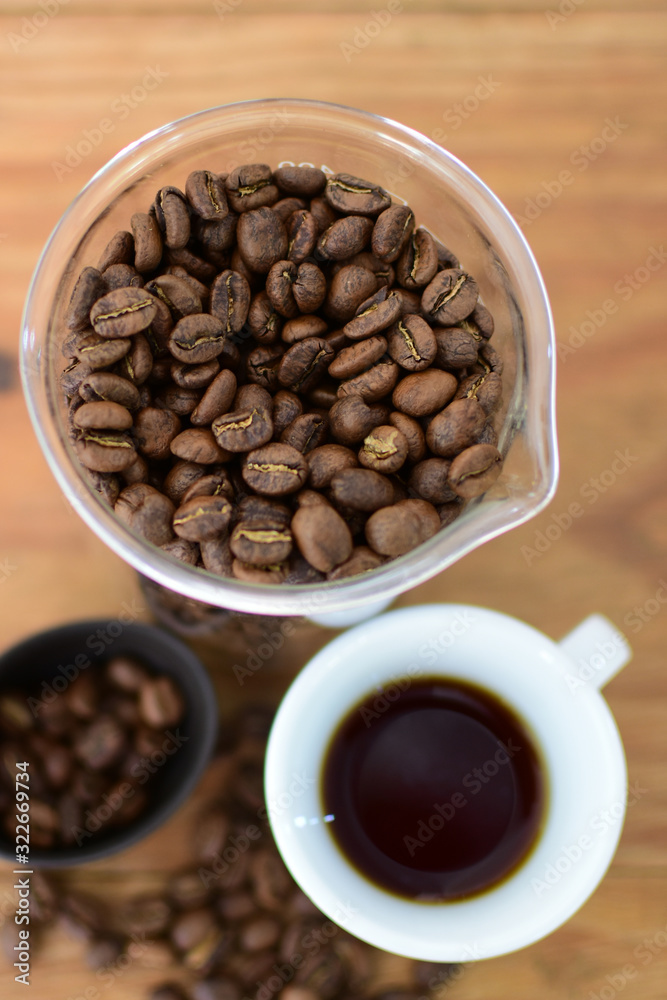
437	794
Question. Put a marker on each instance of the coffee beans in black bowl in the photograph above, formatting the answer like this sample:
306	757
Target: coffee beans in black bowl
105	728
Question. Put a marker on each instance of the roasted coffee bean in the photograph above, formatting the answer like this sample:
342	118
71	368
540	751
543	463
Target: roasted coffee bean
480	321
361	489
344	237
160	702
126	673
348	288
322	535
121	276
197	338
259	544
216	556
197	444
202	518
243	430
251	395
105	451
393	531
250	186
391	231
384	449
137	363
412	432
362	560
489	359
489	435
418	263
304	182
179	479
384	273
262	366
284	207
194	376
456	348
263	321
99	744
146	511
99	352
101	415
303	327
412	343
474	470
230	300
352	418
304	363
207	194
373	384
107	387
185	552
429	480
262	931
178	400
456	427
270	512
346	193
272	575
306	432
72	377
302	233
424	392
217	399
154	430
450	297
275	470
279	281
309	288
88	288
322	212
358	357
176	294
286	407
325	394
200	269
310	498
172	216
147	242
217	238
262	239
375	314
119	250
213	485
485	388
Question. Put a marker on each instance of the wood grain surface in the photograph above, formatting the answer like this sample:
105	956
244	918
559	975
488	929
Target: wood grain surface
556	75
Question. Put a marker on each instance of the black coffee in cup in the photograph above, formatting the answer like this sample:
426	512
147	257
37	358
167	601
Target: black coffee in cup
435	795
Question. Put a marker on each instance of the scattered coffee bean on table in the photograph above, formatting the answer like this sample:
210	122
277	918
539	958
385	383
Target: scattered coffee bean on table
232	924
266	332
92	751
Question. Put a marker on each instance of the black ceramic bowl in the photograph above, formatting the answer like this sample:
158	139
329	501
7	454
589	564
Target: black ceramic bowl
87	645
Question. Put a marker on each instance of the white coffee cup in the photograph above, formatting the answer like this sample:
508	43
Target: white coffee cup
553	688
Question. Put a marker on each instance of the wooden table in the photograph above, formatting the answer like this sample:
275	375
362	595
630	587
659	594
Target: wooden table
521	95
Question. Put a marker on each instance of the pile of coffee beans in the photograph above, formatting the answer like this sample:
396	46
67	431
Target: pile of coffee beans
278	377
233	924
92	751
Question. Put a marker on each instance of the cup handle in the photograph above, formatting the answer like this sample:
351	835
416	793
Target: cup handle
600	645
